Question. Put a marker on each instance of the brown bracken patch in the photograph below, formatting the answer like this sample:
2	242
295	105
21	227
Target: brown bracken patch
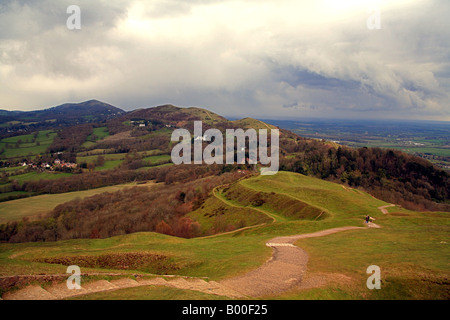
143	261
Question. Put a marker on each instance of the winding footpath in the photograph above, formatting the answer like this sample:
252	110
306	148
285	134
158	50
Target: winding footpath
383	208
283	271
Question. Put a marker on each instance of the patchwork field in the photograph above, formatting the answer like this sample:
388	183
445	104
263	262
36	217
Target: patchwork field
26	145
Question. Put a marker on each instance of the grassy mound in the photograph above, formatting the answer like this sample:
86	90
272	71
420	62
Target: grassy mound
283	205
216	216
334	199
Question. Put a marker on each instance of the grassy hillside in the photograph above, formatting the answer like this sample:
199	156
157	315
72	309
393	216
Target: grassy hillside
279	204
410	248
254	237
175	115
252	123
217	216
334	199
204	114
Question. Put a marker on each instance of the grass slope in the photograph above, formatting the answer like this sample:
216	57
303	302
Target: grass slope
247	123
216	215
411	248
97	134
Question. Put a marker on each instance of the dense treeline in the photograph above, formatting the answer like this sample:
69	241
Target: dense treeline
390	175
116	126
160	208
97	179
70	139
159	141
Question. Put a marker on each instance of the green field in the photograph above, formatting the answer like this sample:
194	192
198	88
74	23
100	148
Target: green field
36	176
97	134
108	157
114	160
37	205
156	160
5	195
23	145
160	132
12	170
109	165
410	248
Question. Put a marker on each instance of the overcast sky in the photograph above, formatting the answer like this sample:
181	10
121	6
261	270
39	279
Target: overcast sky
260	58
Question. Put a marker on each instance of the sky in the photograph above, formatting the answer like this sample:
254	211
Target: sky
283	59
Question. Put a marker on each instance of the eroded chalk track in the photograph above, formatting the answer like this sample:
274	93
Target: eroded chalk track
283	271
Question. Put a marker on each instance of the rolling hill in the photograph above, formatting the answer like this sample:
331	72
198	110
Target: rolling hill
408	247
93	109
173	115
68	114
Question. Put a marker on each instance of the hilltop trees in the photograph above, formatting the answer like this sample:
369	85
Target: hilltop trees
70	139
390	175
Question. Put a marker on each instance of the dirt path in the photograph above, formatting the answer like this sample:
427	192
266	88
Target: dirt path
383	208
284	270
287	266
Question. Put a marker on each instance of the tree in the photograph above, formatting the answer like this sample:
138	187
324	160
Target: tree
95	234
100	161
163	227
91	166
